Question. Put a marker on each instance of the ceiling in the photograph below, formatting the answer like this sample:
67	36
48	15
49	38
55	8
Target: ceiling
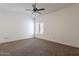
20	7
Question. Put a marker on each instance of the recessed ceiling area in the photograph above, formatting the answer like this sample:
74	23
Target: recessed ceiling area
20	7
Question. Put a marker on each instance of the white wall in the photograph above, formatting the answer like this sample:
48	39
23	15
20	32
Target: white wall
62	26
15	26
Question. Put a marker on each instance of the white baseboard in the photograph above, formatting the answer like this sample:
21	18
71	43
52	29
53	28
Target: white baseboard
14	39
44	38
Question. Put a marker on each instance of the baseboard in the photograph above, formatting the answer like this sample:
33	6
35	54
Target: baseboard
14	39
57	42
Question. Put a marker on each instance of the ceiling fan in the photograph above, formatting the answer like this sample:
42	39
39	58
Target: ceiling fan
35	9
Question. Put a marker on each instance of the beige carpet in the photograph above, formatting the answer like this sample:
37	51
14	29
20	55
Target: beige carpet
36	47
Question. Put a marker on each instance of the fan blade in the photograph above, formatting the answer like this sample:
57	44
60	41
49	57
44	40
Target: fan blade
28	9
34	6
41	9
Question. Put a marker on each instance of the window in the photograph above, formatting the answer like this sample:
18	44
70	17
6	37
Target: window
39	28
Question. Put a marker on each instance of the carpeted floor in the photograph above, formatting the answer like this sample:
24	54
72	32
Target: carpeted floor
36	47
